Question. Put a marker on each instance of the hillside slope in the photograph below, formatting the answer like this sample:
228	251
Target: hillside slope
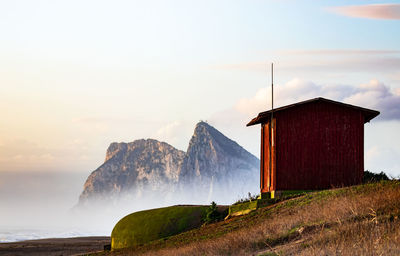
359	220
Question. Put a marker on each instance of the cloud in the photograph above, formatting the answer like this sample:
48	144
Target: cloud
169	131
346	63
327	62
21	153
374	95
378	96
26	155
380	158
337	52
370	11
176	133
100	120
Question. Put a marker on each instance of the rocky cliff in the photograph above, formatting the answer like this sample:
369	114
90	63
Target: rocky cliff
142	165
213	166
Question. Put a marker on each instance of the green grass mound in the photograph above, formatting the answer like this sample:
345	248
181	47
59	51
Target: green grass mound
142	227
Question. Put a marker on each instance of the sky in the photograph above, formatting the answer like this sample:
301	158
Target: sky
78	75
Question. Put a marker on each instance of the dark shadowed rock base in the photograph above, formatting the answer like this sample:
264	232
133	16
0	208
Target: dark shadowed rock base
55	246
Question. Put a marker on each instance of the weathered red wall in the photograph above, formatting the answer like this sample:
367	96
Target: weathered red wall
318	145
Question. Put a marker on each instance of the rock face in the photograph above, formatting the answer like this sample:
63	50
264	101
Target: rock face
213	166
134	167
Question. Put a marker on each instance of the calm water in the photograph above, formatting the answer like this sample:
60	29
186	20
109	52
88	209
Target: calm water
9	234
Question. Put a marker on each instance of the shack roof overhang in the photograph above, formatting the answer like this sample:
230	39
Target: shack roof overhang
265	116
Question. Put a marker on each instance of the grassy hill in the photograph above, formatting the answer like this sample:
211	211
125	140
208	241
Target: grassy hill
142	227
359	220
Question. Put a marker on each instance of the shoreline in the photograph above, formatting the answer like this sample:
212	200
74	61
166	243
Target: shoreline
55	246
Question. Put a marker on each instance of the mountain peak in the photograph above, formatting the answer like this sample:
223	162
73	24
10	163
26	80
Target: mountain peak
117	147
202	123
205	134
214	158
213	165
145	163
202	127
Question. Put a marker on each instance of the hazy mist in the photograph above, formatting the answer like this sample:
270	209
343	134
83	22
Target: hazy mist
43	204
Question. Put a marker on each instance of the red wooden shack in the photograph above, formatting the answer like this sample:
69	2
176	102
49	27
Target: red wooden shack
316	144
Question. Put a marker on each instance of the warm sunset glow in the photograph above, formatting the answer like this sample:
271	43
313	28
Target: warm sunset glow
76	76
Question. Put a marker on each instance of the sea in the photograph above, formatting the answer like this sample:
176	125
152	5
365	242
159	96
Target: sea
12	234
37	205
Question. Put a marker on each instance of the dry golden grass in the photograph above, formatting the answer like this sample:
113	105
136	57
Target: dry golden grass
361	220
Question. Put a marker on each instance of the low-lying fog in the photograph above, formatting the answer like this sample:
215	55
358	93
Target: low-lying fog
37	204
41	205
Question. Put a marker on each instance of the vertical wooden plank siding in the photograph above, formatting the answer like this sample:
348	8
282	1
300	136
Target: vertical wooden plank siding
361	149
317	145
273	166
265	159
262	170
265	156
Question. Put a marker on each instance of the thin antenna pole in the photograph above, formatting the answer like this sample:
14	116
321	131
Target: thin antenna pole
271	130
272	100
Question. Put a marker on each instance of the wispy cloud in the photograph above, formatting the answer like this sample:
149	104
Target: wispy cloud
374	94
385	64
337	52
18	153
176	133
370	11
331	60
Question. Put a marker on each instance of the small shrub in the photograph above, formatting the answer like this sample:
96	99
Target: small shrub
374	177
212	214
